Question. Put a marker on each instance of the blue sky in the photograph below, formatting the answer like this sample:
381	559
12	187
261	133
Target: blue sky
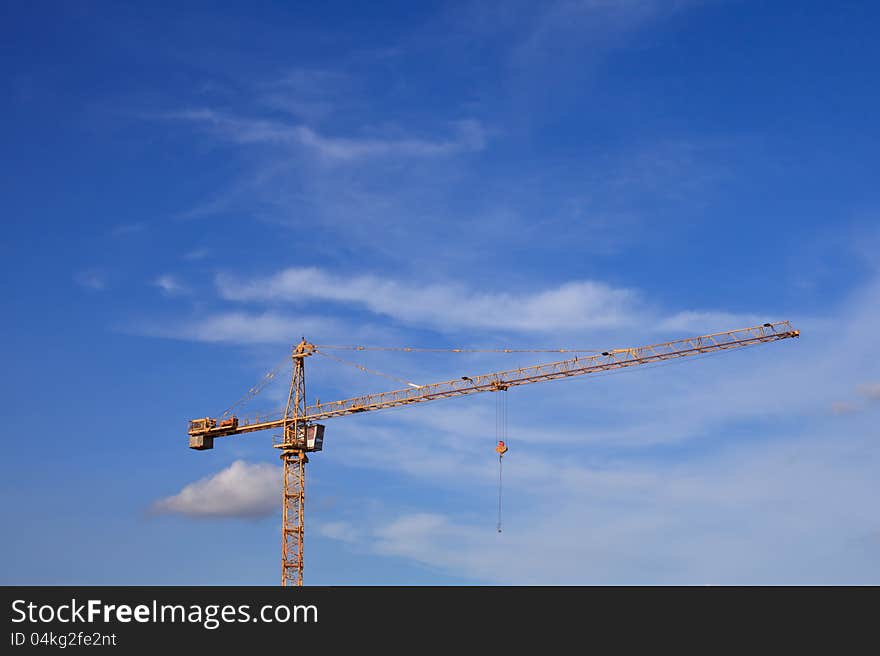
187	191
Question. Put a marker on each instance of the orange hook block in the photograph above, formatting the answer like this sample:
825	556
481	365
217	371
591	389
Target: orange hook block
501	448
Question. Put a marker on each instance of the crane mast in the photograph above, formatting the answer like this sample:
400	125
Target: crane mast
301	434
293	456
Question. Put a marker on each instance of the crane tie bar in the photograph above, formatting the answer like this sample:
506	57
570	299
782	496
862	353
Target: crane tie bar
412	349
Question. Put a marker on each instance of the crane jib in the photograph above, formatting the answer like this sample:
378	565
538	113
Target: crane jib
539	373
608	360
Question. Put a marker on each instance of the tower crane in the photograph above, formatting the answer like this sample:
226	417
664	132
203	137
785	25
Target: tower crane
301	434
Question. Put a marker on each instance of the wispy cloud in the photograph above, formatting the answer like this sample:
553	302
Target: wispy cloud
344	531
556	46
308	94
422	184
125	229
196	254
170	285
238	328
579	305
93	279
589	25
467	135
241	490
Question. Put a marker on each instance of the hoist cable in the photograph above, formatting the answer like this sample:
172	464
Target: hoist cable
501	436
500	465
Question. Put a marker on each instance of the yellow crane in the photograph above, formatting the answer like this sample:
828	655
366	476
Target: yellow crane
301	434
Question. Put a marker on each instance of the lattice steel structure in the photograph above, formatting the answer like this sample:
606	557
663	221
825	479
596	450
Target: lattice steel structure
293	454
300	433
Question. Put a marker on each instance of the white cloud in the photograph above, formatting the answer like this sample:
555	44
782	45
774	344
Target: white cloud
575	306
468	135
241	490
169	285
343	531
578	304
415	536
240	328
